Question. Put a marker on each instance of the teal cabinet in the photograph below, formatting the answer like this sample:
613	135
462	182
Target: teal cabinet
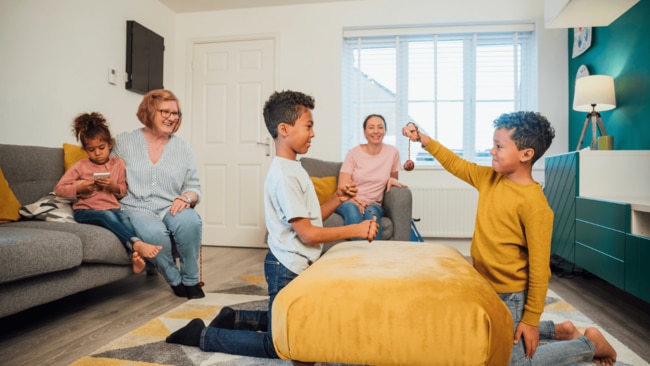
637	268
601	204
613	215
561	189
601	228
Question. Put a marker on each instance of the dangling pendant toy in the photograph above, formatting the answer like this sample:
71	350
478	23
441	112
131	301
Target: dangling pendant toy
409	164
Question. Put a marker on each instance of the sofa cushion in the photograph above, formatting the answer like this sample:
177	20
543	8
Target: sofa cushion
32	171
10	204
99	245
28	252
49	208
325	188
72	154
321	168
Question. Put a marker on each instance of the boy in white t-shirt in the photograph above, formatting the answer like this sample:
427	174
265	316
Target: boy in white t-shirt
294	221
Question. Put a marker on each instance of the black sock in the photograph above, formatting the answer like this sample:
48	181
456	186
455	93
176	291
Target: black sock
180	290
225	319
189	335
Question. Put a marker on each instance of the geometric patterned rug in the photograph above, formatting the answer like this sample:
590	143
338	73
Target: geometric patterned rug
145	346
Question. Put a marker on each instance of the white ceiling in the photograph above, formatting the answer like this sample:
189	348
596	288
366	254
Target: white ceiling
189	6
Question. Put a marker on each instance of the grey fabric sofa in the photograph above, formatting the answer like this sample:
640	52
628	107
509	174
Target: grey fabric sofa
44	261
397	203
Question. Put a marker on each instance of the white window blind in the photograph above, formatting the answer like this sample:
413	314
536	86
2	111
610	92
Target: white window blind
451	81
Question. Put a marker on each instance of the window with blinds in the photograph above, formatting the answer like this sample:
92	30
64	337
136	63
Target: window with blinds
451	81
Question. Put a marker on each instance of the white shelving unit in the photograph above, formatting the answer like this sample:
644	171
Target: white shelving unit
619	176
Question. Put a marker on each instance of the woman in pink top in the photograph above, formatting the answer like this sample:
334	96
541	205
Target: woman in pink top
373	167
97	183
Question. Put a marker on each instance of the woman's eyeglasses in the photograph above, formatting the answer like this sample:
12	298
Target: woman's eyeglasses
166	113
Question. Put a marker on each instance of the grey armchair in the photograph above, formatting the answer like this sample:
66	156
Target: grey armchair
397	203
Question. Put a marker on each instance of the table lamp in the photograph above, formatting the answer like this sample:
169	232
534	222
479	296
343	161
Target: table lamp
593	94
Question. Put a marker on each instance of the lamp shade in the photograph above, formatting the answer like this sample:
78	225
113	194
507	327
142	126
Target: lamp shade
594	92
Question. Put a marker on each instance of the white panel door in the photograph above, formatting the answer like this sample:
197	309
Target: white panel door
231	80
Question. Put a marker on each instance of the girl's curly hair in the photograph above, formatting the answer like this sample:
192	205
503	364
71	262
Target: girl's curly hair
89	126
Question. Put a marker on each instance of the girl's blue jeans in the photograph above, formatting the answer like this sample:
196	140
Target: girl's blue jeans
351	215
114	220
552	353
186	229
251	343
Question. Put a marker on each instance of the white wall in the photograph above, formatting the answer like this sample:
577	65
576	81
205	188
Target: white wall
55	57
310	48
54	63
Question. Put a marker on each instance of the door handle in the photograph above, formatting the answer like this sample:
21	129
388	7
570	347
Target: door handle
267	145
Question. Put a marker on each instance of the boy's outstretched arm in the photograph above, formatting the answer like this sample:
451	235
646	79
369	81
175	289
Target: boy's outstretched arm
316	235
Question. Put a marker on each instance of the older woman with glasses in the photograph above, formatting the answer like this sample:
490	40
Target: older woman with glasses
163	188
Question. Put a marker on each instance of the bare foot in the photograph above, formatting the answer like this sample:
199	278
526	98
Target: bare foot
566	331
605	353
138	263
146	250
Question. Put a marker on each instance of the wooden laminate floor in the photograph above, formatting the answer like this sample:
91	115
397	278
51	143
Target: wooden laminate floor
63	331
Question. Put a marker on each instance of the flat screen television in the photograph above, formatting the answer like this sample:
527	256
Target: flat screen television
144	58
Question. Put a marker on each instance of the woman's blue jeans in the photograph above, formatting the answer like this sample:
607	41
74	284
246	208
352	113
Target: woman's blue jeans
114	220
553	353
251	343
186	230
351	215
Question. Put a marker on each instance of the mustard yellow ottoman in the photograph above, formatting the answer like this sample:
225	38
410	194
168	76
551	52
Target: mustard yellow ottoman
392	303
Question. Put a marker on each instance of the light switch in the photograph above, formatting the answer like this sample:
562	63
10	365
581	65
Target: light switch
112	76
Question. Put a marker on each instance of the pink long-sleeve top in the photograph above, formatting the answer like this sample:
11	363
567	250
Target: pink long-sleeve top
98	200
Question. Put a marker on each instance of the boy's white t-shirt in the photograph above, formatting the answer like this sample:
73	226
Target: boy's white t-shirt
289	194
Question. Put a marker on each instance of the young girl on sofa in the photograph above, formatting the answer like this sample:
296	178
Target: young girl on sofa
97	183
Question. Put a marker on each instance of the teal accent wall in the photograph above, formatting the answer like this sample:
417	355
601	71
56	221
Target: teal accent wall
621	50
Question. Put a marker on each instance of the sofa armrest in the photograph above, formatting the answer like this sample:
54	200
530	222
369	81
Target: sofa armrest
398	203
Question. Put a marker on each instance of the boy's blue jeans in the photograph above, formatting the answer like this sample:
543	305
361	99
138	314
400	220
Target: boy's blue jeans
351	215
553	353
186	228
250	343
114	220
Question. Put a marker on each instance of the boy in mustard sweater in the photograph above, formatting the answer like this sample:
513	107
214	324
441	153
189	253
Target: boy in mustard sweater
511	244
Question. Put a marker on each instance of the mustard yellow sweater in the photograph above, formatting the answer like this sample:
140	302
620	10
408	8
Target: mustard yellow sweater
512	234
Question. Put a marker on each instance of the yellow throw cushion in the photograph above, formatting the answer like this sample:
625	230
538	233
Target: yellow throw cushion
72	154
325	187
9	204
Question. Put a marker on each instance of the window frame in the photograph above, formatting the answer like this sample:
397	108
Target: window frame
354	106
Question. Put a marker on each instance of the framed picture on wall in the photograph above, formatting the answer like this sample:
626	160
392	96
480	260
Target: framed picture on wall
581	40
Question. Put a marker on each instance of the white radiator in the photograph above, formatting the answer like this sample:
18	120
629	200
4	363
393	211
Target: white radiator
444	212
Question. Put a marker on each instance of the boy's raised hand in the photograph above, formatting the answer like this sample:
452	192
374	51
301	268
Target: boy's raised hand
414	134
410	131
